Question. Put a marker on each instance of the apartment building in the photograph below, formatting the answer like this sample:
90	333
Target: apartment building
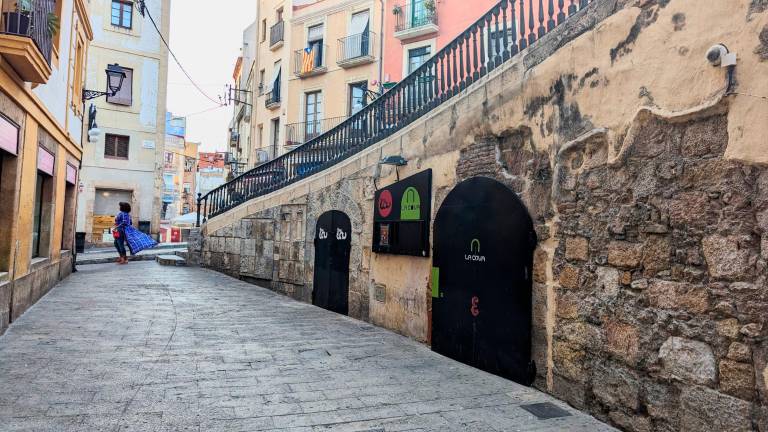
241	98
124	164
41	127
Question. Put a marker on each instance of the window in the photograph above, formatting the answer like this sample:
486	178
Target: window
417	57
187	187
262	75
275	135
78	75
357	97
125	95
116	146
264	30
38	216
313	115
122	13
279	15
315	43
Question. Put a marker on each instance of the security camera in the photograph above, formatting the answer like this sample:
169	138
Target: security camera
718	55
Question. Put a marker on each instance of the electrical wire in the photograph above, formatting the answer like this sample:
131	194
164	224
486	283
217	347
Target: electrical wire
204	111
143	9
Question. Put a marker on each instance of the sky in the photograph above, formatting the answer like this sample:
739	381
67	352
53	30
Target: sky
207	42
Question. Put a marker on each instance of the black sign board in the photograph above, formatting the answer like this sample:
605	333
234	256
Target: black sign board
401	216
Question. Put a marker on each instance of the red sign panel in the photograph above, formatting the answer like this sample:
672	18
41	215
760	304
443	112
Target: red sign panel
71	174
9	136
45	161
385	203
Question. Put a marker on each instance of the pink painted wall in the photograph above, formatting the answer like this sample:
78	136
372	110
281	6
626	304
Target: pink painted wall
453	16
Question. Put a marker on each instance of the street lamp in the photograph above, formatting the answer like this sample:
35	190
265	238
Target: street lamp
115	77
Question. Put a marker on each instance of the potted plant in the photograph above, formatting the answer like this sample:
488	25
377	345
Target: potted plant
397	10
429	5
20	21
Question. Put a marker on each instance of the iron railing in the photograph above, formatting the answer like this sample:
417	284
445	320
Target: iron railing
276	33
273	98
500	34
414	14
356	47
310	61
299	133
32	19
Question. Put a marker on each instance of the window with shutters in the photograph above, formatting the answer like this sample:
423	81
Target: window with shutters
125	95
116	146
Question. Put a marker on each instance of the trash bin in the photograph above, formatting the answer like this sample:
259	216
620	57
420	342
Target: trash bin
80	242
144	226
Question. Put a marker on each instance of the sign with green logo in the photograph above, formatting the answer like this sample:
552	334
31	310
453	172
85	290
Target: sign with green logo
410	206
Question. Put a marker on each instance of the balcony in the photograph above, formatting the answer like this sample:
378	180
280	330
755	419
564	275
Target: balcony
276	35
310	62
415	18
272	100
356	50
299	133
26	42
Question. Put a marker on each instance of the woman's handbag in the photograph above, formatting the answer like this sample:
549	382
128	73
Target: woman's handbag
115	233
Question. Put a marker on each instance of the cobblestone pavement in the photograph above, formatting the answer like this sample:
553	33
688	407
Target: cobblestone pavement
148	348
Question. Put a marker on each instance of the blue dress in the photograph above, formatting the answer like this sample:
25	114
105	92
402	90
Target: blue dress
137	240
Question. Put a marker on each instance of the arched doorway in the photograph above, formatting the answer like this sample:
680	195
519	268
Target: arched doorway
481	279
333	241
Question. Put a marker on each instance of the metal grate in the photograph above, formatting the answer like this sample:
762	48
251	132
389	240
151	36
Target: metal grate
545	410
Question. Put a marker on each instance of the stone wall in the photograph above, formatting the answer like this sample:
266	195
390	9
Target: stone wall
650	204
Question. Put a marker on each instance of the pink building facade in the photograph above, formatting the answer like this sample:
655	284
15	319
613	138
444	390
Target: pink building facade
414	30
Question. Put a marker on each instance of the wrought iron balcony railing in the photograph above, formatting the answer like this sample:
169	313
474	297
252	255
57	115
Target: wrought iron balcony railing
415	14
277	33
272	99
33	21
310	61
356	49
499	35
299	133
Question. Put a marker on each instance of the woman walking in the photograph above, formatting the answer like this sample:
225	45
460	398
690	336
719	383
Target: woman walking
125	233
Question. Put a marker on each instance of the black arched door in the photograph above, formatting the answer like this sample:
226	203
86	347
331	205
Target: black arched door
333	242
481	279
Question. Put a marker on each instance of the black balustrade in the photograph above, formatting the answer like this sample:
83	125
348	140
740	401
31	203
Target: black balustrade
501	33
356	47
300	133
277	33
34	19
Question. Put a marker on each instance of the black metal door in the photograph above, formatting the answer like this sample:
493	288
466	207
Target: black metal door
332	246
481	279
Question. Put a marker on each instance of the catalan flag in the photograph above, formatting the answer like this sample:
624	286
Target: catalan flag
307	60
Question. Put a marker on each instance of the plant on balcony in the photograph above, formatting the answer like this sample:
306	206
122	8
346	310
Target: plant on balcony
397	10
429	5
23	18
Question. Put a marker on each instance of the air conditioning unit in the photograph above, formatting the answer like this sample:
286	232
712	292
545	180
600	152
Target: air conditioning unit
262	156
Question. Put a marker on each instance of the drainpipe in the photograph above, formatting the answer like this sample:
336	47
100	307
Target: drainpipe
381	50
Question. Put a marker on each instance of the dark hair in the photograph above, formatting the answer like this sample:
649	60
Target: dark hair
125	207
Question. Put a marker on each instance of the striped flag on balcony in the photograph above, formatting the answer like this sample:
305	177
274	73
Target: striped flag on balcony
307	60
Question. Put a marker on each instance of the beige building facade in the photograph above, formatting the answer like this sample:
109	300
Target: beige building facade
125	164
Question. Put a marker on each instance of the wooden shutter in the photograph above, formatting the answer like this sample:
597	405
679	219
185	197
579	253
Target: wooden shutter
122	147
109	145
125	95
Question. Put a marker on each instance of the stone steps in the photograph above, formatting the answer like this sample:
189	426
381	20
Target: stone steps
171	260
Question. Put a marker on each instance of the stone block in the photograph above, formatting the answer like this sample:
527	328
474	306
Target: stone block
576	249
624	254
678	296
632	423
581	334
248	247
705	410
739	352
575	393
728	328
540	263
661	400
607	284
656	255
753	330
726	258
737	379
569	361
569	277
616	387
567	306
622	341
688	360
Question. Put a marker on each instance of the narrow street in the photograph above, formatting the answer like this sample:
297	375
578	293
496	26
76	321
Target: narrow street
148	348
